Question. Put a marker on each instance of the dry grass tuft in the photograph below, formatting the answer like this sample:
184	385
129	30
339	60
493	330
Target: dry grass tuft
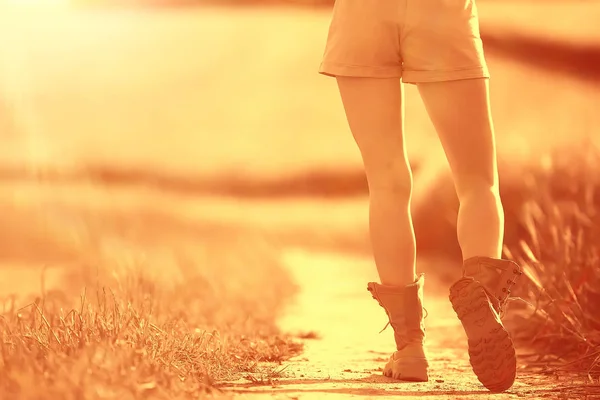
552	209
555	237
134	334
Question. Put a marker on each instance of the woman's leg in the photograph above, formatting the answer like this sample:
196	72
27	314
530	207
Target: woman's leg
374	109
460	112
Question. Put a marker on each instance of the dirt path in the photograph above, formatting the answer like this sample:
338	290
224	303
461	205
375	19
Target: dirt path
346	361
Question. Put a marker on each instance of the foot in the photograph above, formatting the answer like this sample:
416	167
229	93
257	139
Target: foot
408	364
491	350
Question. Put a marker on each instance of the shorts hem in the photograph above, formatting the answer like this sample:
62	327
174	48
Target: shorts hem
359	71
414	77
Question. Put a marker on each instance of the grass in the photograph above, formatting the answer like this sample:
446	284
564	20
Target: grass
555	237
552	210
132	333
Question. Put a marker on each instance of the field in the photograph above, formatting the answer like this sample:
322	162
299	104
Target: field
159	168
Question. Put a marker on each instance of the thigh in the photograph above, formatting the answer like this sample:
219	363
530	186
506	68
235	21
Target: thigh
441	41
374	109
460	112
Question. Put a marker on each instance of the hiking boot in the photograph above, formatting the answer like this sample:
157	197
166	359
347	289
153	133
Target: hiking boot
479	299
404	308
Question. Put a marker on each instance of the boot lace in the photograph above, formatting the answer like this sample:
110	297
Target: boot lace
389	321
504	300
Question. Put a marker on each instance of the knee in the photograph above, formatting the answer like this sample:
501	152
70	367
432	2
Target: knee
475	182
393	177
478	189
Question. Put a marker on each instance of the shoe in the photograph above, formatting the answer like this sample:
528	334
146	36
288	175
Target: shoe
404	308
479	299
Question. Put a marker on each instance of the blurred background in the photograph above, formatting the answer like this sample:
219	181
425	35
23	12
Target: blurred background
188	99
187	136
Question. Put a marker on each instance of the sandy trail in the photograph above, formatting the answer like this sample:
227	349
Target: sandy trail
347	360
347	357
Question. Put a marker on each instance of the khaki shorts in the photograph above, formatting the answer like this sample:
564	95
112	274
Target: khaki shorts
416	40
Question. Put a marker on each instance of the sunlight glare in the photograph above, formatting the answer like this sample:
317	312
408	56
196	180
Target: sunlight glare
36	3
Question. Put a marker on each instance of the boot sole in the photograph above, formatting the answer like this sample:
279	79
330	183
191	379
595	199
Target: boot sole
491	350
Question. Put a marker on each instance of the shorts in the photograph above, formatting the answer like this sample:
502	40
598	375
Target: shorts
415	40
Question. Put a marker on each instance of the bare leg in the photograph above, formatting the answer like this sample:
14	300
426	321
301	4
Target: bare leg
375	116
460	112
